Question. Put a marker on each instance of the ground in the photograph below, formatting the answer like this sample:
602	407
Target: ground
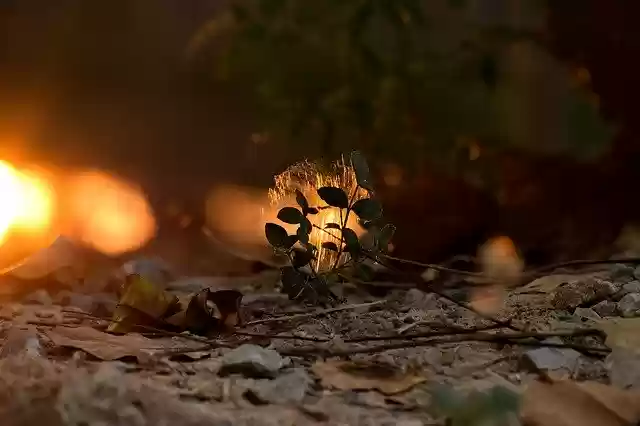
60	368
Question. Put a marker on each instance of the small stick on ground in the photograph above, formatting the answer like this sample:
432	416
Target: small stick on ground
505	338
282	336
316	313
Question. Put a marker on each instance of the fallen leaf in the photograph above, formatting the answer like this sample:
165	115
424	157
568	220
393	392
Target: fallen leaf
197	316
621	333
546	284
569	403
107	347
349	375
143	303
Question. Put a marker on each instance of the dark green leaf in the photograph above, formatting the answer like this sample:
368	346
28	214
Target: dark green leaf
291	240
290	215
352	242
311	210
302	235
330	245
299	286
293	281
304	230
367	209
385	235
361	169
310	247
277	236
301	258
332	226
333	196
302	201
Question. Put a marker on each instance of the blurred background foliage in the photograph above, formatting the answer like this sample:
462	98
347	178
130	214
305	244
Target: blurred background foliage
417	82
183	95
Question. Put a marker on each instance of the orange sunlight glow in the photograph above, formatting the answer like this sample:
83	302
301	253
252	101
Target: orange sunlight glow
308	177
107	213
27	201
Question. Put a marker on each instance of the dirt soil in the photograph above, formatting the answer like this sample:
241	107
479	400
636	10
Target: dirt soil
58	368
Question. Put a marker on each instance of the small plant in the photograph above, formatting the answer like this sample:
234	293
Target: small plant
305	279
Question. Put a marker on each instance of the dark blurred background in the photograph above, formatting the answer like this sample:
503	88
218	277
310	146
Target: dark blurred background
479	116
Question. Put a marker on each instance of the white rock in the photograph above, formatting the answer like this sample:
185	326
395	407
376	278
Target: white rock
252	361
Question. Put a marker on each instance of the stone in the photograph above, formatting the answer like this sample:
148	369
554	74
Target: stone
39	297
623	365
418	299
587	314
581	292
629	305
556	360
21	342
636	273
252	361
630	287
606	308
621	272
290	387
101	304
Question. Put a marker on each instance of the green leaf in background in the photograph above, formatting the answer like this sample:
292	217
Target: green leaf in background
361	169
335	197
332	226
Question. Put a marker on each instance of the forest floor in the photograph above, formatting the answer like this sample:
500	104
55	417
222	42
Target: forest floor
569	354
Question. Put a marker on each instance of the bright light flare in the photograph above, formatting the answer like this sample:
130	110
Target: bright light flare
26	201
107	213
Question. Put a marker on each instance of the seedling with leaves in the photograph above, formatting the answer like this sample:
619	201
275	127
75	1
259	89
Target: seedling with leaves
305	279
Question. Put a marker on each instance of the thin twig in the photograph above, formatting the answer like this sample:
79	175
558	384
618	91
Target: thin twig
151	329
551	267
433	266
506	338
527	275
422	285
448	331
315	313
282	336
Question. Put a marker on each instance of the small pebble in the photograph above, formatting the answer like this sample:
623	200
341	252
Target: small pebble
629	305
606	308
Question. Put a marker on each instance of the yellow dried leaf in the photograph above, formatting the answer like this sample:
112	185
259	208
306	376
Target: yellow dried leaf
141	302
569	403
349	375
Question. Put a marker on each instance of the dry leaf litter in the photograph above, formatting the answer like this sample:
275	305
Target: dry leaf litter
60	364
